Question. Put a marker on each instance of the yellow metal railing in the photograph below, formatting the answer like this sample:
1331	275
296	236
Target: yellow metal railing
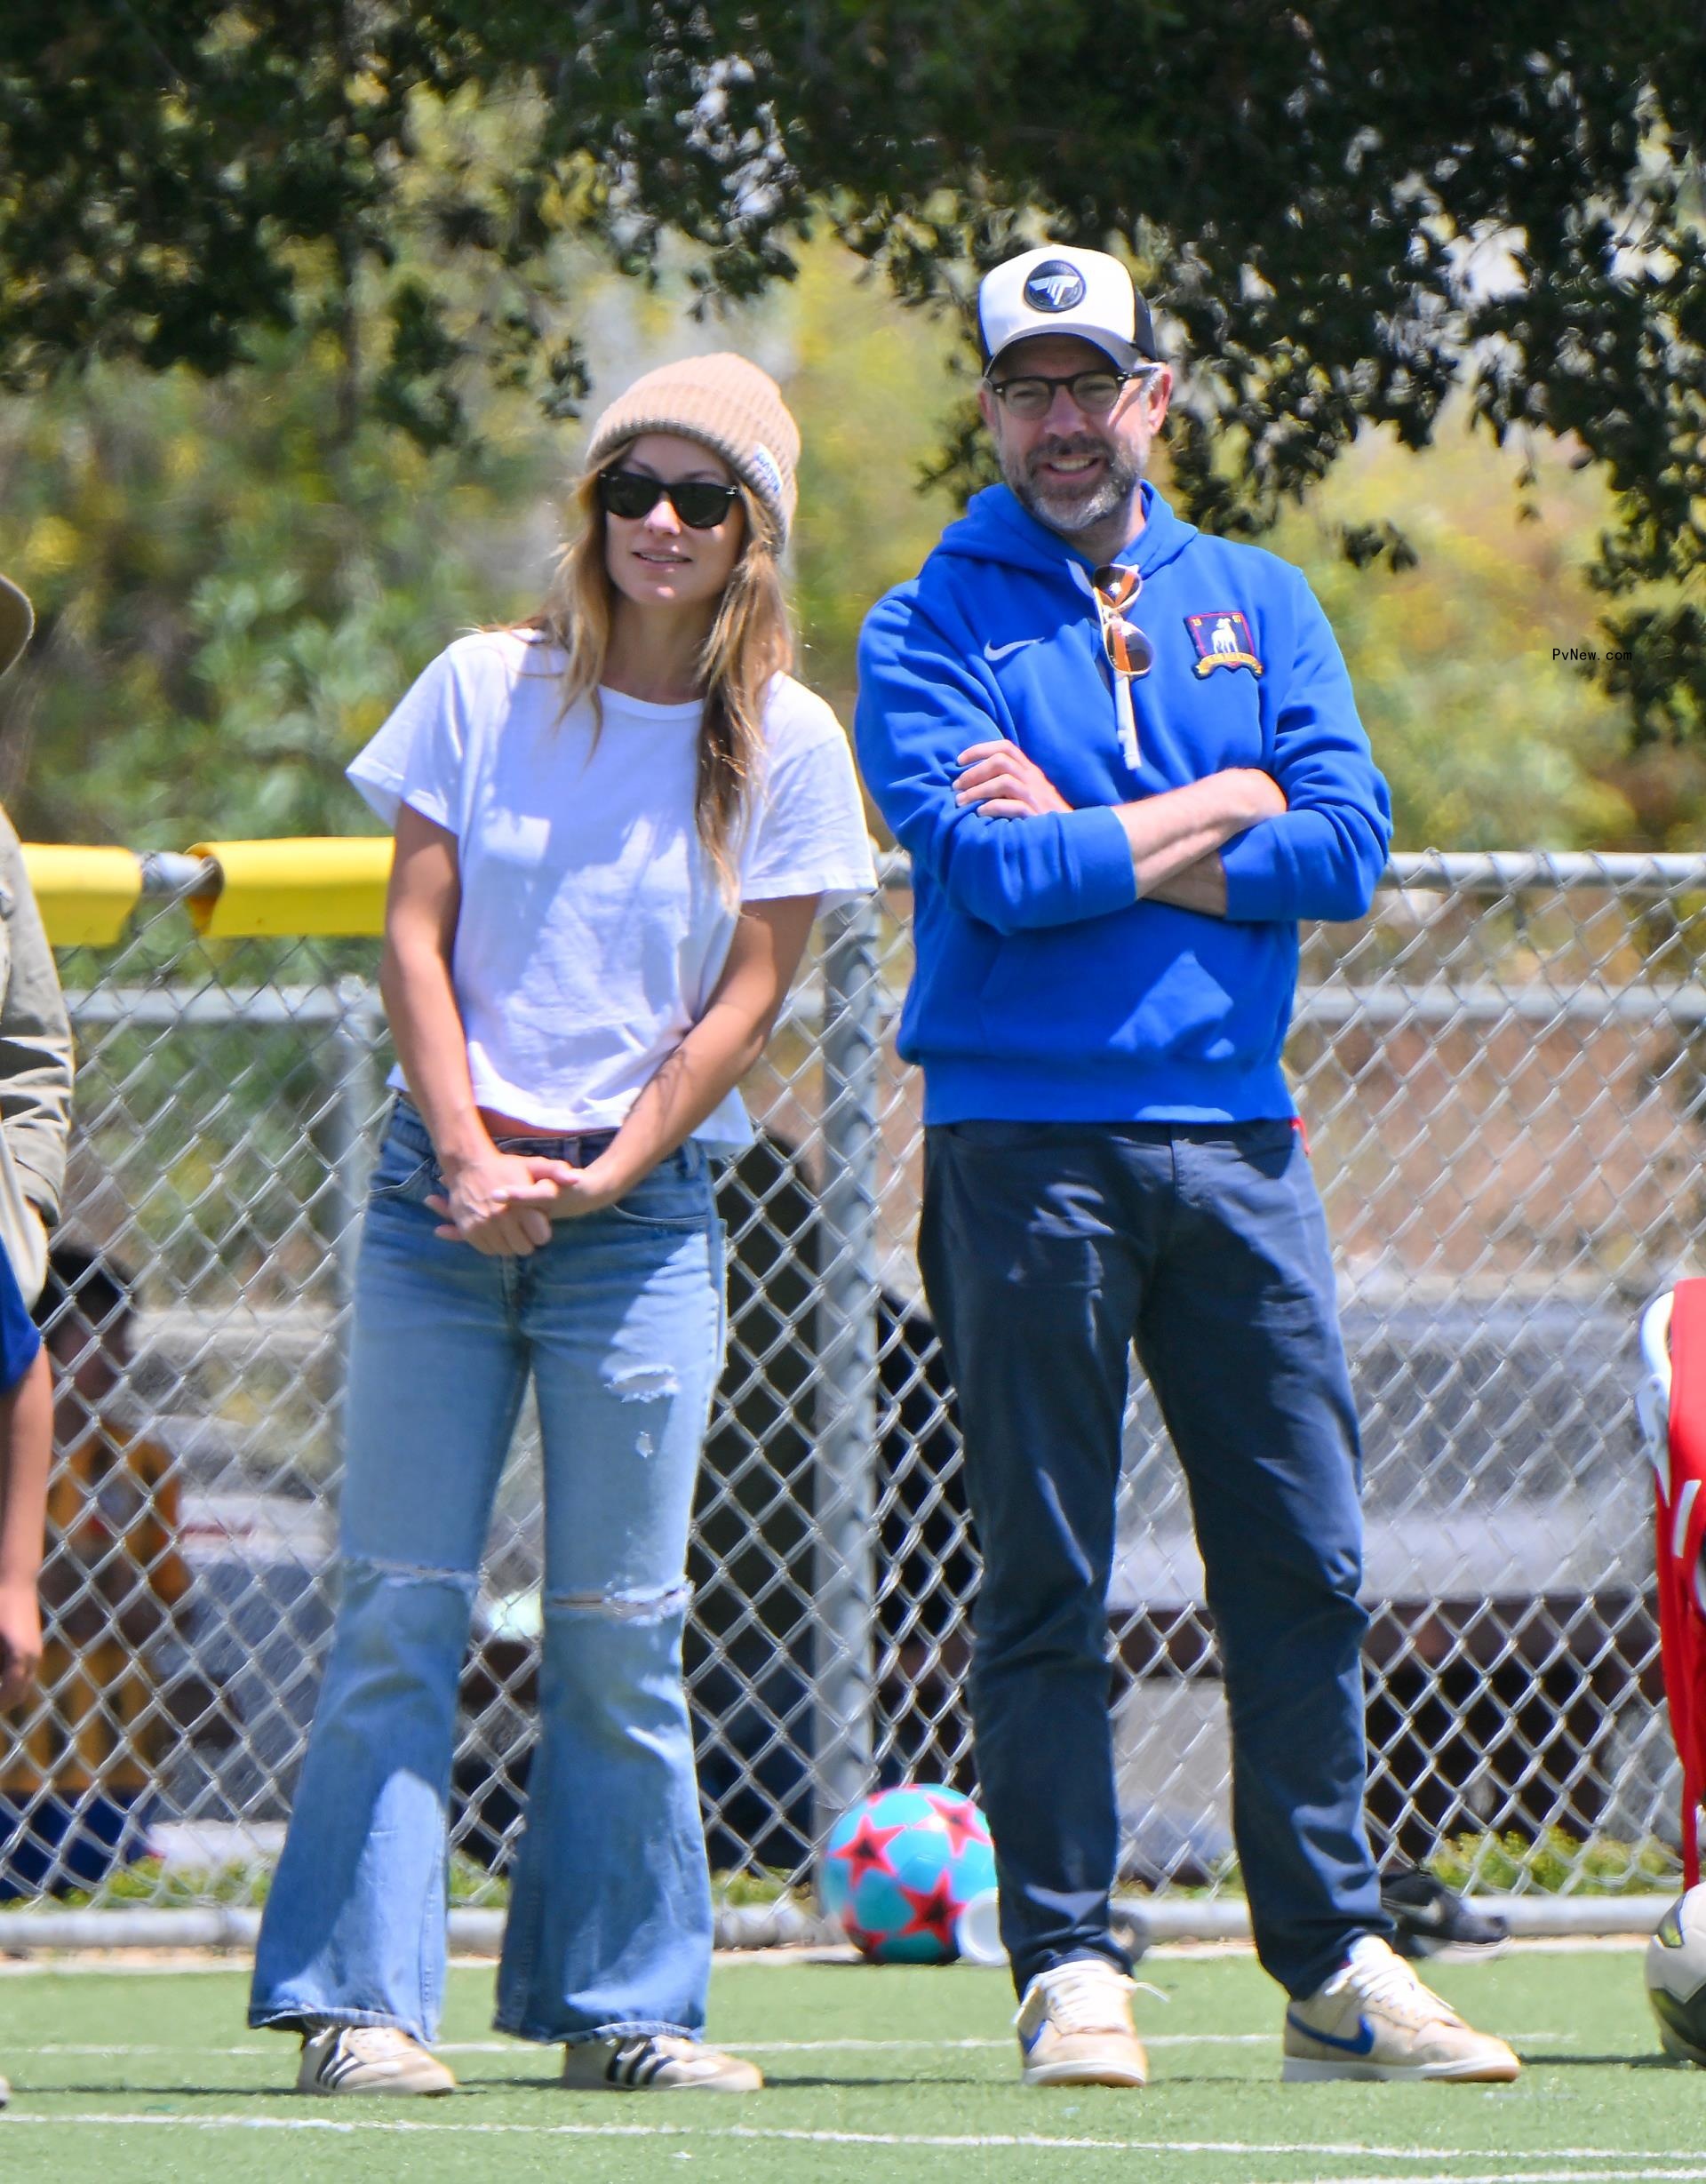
314	885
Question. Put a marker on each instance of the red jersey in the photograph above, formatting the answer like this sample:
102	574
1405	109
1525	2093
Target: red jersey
1681	1536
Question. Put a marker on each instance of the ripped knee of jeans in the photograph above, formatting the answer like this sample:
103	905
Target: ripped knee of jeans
625	1603
389	1570
630	1383
641	1383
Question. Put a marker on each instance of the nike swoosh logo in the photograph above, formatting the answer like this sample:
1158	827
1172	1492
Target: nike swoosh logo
992	652
1362	2044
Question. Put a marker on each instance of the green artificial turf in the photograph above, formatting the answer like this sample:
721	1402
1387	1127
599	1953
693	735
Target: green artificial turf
874	2074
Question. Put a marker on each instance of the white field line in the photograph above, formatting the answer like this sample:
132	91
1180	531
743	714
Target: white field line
803	2047
969	2141
138	1963
232	1962
119	1964
746	2047
520	2047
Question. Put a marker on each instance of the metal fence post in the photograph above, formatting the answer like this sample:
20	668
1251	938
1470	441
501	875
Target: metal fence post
847	1363
355	1045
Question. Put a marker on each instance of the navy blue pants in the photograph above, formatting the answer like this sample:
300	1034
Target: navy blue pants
1046	1250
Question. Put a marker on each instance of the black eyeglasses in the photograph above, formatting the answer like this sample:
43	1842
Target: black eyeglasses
1031	393
632	494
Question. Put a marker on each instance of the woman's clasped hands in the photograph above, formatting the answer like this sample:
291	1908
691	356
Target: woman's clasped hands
504	1203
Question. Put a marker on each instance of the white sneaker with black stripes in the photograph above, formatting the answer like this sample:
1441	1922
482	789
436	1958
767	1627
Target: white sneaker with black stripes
368	2058
656	2062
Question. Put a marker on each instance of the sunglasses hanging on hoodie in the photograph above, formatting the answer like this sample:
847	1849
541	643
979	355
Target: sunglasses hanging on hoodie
1129	653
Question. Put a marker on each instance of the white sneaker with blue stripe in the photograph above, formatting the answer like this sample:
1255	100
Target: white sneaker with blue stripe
1374	2019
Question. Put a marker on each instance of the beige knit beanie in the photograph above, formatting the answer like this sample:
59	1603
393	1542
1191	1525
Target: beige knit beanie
727	405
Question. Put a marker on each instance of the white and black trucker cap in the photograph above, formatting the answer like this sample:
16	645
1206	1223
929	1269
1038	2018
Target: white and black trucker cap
1061	291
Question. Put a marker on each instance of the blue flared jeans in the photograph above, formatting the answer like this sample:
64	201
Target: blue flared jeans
619	1321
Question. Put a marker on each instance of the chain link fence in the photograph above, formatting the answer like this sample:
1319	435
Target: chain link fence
1503	1077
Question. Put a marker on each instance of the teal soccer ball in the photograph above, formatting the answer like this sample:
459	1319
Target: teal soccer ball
901	1867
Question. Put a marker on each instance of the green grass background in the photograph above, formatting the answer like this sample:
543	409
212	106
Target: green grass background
1597	2099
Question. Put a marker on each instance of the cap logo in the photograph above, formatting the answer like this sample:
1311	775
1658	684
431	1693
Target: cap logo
1055	285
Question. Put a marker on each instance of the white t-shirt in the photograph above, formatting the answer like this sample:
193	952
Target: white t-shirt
592	931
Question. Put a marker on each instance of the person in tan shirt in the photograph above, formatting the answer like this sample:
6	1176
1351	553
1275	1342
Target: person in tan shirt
36	1072
36	1064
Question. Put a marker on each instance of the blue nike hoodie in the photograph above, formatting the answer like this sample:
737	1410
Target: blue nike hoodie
1044	989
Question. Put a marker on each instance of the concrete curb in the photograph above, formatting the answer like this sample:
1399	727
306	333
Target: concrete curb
783	1926
1225	1918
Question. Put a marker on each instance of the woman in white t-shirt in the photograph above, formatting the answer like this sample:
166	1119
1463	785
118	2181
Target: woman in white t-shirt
614	827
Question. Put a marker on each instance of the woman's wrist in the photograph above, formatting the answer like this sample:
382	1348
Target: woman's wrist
610	1176
461	1147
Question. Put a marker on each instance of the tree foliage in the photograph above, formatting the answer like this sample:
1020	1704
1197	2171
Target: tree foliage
1346	215
233	595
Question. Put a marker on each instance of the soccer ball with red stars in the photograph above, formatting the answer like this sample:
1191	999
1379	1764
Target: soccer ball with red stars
900	1868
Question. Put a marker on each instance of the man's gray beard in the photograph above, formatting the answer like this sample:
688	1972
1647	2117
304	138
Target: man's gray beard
1120	481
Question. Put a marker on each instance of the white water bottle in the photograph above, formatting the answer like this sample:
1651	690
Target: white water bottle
978	1930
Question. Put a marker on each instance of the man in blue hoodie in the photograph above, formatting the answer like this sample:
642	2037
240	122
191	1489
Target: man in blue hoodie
1124	759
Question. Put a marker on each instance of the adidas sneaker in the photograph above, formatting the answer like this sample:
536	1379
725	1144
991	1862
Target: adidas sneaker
656	2062
368	2058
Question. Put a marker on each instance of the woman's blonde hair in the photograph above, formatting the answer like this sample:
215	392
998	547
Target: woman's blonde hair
750	641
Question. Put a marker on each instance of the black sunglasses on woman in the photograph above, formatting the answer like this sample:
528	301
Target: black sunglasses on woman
633	493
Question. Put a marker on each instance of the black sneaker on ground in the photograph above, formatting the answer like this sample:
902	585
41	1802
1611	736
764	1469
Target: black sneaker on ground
1434	1920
